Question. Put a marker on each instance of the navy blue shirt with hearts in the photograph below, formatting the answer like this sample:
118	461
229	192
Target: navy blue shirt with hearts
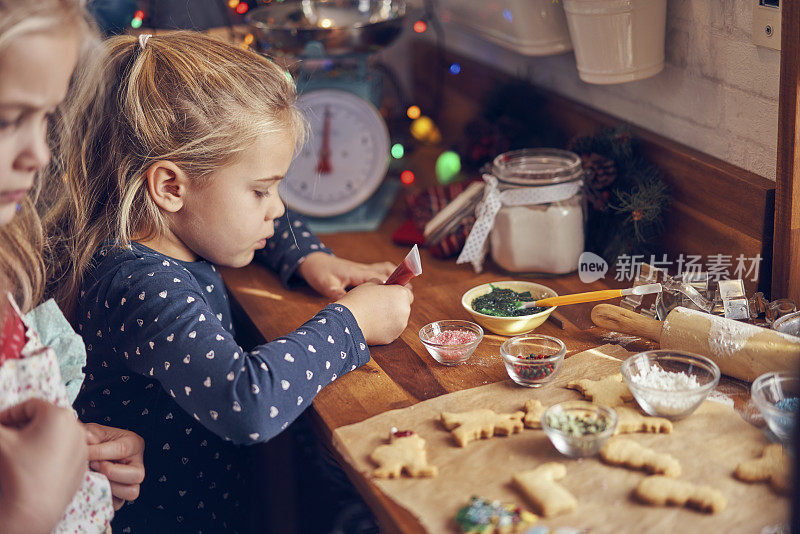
163	362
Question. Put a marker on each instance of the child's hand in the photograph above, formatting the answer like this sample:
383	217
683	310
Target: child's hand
42	462
117	454
331	276
381	311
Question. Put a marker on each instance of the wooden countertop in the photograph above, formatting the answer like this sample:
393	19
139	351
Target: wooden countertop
402	373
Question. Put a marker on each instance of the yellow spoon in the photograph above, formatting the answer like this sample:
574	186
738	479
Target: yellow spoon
590	296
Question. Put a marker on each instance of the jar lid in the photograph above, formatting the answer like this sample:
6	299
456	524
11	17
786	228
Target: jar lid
537	166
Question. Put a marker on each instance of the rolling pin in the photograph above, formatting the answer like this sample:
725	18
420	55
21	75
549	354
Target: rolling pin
740	350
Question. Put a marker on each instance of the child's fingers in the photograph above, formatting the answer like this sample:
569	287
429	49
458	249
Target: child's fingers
407	287
117	503
384	268
21	414
333	287
119	473
126	492
94	434
115	449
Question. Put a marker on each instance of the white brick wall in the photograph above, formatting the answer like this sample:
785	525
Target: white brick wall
717	93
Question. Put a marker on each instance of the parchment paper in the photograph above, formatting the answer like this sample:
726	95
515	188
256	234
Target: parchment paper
709	444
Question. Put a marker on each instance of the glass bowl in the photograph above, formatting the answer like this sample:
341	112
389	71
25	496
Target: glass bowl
788	324
575	443
533	360
441	338
772	393
676	396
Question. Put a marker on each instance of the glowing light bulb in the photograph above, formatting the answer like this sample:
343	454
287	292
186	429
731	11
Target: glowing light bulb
326	23
407	177
233	3
248	39
413	112
448	165
424	129
242	8
139	14
136	23
455	68
420	26
398	150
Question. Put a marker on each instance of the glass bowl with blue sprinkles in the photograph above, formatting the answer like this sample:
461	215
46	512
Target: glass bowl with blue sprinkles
777	397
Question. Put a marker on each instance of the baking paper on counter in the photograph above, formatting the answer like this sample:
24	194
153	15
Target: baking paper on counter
709	445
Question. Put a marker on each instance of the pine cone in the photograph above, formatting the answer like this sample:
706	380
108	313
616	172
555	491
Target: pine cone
600	172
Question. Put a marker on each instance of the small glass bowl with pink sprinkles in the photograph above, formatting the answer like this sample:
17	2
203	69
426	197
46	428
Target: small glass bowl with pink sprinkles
451	342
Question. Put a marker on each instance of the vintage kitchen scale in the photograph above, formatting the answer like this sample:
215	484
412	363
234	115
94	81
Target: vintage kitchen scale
338	180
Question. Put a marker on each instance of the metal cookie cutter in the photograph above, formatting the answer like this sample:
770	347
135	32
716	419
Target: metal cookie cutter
734	300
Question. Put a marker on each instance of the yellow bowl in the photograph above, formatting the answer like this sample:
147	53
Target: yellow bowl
509	326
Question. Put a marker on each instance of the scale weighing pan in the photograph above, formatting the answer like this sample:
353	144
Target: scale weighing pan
342	27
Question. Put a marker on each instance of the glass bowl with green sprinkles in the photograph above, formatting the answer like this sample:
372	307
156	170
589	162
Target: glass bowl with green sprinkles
579	428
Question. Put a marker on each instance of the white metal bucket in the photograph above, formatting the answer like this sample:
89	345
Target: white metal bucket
617	41
529	27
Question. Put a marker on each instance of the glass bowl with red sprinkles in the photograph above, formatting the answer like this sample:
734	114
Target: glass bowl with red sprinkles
533	360
451	342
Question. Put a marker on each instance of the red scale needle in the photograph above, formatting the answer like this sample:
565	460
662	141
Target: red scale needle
324	165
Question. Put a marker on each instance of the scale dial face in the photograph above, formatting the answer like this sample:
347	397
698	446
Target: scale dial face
345	158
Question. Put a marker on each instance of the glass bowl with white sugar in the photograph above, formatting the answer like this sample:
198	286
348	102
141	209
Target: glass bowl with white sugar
670	383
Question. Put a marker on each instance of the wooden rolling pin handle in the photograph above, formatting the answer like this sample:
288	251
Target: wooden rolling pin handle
628	322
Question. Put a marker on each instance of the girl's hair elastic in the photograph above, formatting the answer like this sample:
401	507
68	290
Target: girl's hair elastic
143	38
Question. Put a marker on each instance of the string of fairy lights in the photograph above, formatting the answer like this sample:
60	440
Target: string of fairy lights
422	128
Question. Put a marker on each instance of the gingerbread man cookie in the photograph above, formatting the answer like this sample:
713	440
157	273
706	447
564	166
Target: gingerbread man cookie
533	413
479	424
627	453
540	486
629	421
661	491
610	391
772	467
404	453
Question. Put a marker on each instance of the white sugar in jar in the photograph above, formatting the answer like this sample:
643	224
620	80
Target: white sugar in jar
546	238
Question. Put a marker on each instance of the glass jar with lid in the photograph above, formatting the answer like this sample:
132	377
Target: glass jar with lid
539	227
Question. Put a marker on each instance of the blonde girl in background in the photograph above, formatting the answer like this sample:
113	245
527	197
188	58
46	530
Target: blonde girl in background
43	449
172	167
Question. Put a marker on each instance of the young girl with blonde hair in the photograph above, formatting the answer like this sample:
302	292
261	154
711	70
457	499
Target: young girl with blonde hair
43	449
172	168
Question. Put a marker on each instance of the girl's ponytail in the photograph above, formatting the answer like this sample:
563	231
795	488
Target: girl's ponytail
184	97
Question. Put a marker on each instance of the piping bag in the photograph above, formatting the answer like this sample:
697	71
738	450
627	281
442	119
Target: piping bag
410	267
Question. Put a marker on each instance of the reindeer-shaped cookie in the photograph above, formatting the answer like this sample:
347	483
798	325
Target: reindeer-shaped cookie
404	453
659	490
479	424
627	453
772	467
629	421
610	390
